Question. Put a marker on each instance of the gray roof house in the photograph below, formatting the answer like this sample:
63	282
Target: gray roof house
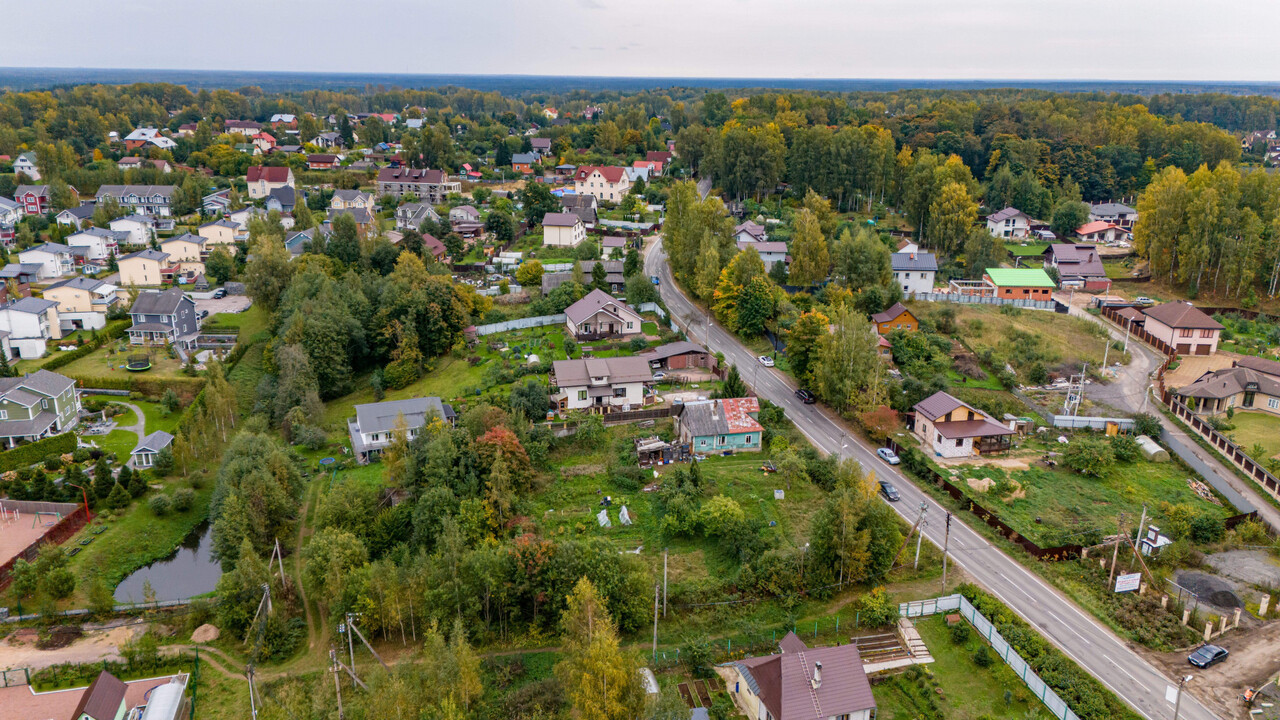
802	683
412	215
144	455
164	317
613	276
37	406
372	428
282	199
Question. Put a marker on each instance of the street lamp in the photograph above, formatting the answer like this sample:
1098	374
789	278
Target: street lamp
87	515
1178	700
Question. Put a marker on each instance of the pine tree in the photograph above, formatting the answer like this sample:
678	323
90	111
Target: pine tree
118	498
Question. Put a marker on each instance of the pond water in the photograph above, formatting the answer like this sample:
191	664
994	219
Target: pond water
189	571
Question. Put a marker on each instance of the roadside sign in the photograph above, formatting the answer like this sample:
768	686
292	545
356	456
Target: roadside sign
1171	694
1128	583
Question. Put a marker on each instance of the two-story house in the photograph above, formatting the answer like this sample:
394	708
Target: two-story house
914	271
1077	266
10	214
283	200
750	232
83	302
76	216
220	233
164	317
584	206
1117	214
148	136
185	248
322	161
34	199
1184	327
716	426
97	243
351	200
145	268
604	182
464	214
1009	223
374	425
897	317
600	384
771	253
563	230
430	186
55	260
31	323
598	314
37	406
262	180
25	164
412	215
327	140
241	127
156	200
140	229
950	428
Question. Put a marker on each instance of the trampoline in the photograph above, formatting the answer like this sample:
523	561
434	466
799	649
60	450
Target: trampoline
138	363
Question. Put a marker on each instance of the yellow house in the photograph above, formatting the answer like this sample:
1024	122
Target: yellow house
185	247
145	267
83	302
219	233
350	200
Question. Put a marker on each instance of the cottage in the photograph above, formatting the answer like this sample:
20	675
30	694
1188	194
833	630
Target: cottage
541	146
144	453
464	214
413	215
351	200
1100	232
914	271
148	136
283	200
1183	327
524	162
30	323
220	233
97	243
951	428
327	140
1008	223
801	683
76	216
584	206
430	186
185	248
216	203
598	315
1020	283
600	384
83	302
771	253
651	167
164	317
1078	266
104	700
322	161
34	199
138	229
25	164
363	217
613	247
715	426
897	317
10	216
613	276
605	183
262	180
54	259
562	230
1117	214
1251	383
373	427
750	232
679	355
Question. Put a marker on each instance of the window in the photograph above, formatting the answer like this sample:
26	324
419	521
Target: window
582	394
720	440
1206	333
748	439
45	403
630	325
939	438
1272	403
4	414
960	442
1185	332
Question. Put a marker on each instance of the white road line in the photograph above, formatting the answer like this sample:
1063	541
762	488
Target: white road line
1068	626
1126	672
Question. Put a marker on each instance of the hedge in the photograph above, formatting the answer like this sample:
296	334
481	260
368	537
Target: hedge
114	330
1087	697
186	387
32	453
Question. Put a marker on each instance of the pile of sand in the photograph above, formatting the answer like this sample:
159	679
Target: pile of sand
982	485
205	634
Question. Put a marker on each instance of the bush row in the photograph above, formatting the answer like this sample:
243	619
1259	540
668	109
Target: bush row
186	388
113	331
35	452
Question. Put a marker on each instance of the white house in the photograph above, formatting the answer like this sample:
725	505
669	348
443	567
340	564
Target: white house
914	271
373	427
31	323
599	314
1100	232
100	244
600	384
1117	214
750	232
563	230
950	428
139	228
54	259
83	302
25	164
771	253
464	213
1009	223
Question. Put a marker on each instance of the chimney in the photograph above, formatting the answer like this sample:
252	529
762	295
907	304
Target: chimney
817	675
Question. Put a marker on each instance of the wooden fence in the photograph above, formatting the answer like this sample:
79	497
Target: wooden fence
69	525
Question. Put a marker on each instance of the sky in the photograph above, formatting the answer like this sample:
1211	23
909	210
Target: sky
1193	40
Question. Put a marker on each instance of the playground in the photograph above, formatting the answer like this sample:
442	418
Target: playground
19	529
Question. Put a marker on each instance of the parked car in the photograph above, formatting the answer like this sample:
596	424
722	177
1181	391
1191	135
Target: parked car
219	293
806	397
1207	655
1144	300
659	375
204	314
888	456
765	360
654	279
889	492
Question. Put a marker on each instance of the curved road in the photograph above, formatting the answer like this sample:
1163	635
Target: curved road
1080	636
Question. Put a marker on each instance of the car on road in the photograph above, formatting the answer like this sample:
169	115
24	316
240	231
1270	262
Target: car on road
889	492
1207	655
654	280
806	397
888	456
765	360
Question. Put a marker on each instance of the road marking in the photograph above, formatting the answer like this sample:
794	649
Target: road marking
1126	672
1068	626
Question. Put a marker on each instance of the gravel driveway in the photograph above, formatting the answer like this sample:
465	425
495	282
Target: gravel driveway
228	304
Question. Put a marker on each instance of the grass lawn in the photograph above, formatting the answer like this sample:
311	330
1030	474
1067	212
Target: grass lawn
1029	336
101	364
120	442
968	691
1052	506
249	322
1261	428
1026	250
1117	270
988	383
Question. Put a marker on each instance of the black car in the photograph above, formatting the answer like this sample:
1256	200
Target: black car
1207	655
806	397
889	492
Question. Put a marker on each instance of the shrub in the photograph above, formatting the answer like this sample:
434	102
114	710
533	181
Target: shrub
183	499
310	437
52	462
960	633
1147	424
80	454
159	505
118	498
1088	456
638	343
1125	448
983	657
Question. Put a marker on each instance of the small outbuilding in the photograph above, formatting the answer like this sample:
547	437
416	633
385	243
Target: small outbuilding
144	455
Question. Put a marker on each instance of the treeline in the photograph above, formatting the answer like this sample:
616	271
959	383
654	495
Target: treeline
1215	231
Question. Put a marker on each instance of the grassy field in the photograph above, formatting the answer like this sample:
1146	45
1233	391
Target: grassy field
1051	505
1260	428
962	689
1030	336
1026	250
105	363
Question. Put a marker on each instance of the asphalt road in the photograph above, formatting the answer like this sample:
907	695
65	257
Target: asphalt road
1086	641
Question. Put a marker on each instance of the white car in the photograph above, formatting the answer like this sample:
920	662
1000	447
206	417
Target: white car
659	375
765	360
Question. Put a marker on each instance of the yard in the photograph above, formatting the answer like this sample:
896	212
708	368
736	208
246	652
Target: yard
1028	250
1025	338
1257	428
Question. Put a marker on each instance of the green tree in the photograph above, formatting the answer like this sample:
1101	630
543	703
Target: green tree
811	260
344	243
802	343
1088	456
529	274
538	201
862	260
600	680
951	216
118	498
268	273
220	266
982	250
1067	216
599	277
329	559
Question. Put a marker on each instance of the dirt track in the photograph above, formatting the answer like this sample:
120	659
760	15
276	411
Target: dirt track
1255	657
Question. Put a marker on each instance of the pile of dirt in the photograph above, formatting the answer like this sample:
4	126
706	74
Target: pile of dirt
59	636
205	634
1211	589
982	485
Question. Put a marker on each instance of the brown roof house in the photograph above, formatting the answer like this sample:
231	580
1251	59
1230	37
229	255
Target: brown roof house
897	317
599	314
1185	328
104	700
950	428
801	683
1252	383
600	384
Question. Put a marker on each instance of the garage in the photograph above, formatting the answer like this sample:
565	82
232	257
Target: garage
1202	349
1184	349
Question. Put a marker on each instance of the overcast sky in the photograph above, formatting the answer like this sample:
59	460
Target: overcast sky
1203	40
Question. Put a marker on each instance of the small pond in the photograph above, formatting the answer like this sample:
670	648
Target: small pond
189	571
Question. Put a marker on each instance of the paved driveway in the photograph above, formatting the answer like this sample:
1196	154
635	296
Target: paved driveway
228	304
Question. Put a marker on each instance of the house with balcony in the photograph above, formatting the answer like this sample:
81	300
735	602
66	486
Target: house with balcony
38	405
262	179
373	427
140	229
1115	213
719	426
220	233
34	199
165	317
98	243
185	248
83	302
430	186
55	260
1078	266
76	216
600	384
154	200
598	315
10	214
951	428
31	323
154	267
1009	223
16	280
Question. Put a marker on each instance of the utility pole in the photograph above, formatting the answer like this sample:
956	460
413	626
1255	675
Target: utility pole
664	582
655	622
1115	550
1142	524
337	685
946	543
1177	702
919	538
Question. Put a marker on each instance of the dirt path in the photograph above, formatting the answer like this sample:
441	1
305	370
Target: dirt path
19	649
317	629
